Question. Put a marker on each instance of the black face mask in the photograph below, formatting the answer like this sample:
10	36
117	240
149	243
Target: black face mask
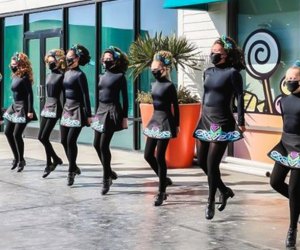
292	85
108	64
52	65
14	69
215	58
157	74
70	61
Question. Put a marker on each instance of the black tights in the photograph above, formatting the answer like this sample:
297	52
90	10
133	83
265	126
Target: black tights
13	132
290	191
158	162
47	125
69	138
209	158
101	144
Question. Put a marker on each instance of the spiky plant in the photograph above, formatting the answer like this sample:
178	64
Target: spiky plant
141	52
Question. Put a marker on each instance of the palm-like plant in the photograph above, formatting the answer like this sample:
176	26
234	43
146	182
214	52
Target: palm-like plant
141	52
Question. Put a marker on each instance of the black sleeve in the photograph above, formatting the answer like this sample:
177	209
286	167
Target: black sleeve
203	80
124	96
29	92
174	100
85	94
62	97
237	82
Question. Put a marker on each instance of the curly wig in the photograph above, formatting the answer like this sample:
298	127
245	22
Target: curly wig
24	65
165	57
59	56
81	52
121	61
235	55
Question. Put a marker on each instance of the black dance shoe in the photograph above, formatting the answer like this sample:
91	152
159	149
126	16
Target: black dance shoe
224	197
169	182
210	210
106	185
114	175
56	162
47	171
77	170
14	164
291	238
21	166
71	178
160	198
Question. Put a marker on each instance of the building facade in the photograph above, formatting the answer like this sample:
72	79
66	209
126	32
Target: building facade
268	31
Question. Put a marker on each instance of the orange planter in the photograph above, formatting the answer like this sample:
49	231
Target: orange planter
180	151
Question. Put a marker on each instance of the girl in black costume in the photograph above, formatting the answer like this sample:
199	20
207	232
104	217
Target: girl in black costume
55	59
21	111
286	153
1	112
217	125
77	108
163	125
110	116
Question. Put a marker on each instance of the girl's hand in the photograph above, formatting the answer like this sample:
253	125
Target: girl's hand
242	128
178	130
30	115
89	120
125	123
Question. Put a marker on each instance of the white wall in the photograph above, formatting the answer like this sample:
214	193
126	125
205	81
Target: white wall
202	28
7	6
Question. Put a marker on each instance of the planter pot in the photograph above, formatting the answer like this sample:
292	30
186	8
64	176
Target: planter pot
180	151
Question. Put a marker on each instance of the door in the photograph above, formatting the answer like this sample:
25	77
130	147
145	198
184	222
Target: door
37	44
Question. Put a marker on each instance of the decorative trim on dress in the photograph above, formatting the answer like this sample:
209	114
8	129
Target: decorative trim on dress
154	132
14	117
68	122
216	134
291	160
48	114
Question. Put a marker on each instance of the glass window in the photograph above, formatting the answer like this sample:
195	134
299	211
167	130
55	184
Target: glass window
13	42
45	20
118	30
270	34
82	31
167	24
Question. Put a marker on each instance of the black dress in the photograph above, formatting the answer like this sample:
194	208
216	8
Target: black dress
54	86
110	112
77	107
217	123
23	101
287	151
163	123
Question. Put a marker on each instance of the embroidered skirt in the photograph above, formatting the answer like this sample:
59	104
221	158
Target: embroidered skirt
73	115
108	115
217	125
161	126
17	113
51	108
287	151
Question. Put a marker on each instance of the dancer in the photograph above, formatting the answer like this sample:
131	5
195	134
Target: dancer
55	59
286	153
217	126
21	111
163	125
77	109
1	111
110	116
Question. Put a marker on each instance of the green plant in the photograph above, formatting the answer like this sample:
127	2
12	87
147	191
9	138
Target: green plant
144	97
141	52
184	96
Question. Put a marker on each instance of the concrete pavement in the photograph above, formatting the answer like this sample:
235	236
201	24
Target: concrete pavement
37	213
